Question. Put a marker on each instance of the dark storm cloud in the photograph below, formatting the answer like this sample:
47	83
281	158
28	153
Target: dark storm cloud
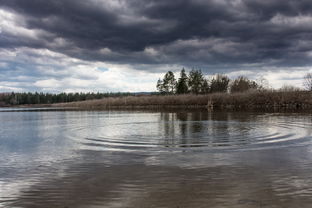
219	33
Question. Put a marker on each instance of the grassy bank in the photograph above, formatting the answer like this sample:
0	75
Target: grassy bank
295	100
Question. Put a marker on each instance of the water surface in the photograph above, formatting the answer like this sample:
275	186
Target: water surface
154	159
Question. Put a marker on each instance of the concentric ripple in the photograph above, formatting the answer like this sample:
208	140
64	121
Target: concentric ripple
163	134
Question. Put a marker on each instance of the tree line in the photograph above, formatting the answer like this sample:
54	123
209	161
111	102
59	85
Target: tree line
196	83
50	98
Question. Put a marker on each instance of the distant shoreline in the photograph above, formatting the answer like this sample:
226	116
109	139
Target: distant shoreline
256	100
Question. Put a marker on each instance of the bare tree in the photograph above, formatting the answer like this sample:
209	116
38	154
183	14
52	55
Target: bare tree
168	84
308	81
242	84
219	83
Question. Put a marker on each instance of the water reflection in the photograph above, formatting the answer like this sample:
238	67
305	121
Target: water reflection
228	130
155	159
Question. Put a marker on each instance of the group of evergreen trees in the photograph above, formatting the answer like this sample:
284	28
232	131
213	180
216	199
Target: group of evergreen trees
196	83
48	98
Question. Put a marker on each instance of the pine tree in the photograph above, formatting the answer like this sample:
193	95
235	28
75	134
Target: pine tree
205	87
196	81
182	87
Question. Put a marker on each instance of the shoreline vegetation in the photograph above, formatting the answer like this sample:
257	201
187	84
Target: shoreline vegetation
253	100
192	91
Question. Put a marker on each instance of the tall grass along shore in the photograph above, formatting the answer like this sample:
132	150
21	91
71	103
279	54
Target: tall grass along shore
252	100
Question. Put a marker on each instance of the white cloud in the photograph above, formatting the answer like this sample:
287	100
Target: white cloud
295	21
10	89
276	77
13	24
286	77
48	83
106	51
50	71
151	51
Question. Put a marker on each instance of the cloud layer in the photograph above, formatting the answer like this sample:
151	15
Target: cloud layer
56	42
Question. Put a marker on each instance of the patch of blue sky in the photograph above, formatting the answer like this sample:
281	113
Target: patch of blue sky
103	69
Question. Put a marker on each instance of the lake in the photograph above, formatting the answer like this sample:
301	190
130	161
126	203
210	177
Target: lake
92	159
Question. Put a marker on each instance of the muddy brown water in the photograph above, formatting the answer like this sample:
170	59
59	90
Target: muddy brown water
143	159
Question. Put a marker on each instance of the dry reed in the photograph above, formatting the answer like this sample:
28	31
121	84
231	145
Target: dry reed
236	101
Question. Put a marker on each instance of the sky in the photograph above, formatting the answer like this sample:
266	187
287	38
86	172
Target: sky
126	45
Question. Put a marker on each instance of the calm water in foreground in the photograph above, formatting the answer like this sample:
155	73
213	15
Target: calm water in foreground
154	159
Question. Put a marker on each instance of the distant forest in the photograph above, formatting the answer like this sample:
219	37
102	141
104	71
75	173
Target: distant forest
49	98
